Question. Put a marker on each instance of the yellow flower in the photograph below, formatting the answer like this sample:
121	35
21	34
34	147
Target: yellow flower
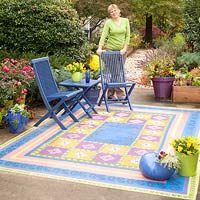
189	145
94	63
196	147
180	148
173	143
75	67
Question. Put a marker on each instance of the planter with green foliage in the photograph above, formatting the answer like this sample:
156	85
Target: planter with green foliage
186	88
17	118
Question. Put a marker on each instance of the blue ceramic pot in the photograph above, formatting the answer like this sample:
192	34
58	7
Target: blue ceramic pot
16	122
150	168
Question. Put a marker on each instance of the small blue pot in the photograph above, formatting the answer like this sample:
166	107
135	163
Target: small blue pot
16	122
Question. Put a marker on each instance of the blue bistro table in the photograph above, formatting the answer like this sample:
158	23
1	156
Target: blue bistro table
83	85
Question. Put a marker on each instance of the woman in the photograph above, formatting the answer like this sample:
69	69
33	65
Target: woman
115	37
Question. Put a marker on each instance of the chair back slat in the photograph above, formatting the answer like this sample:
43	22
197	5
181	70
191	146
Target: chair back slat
44	77
112	67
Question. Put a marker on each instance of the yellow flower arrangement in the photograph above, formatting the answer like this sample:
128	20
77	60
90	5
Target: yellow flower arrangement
76	67
94	66
187	145
94	63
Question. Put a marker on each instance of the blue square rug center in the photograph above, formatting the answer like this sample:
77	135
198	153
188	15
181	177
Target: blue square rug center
106	149
116	133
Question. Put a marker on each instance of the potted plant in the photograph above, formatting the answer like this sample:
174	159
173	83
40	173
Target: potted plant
158	166
17	118
159	68
76	69
187	149
15	79
168	160
186	87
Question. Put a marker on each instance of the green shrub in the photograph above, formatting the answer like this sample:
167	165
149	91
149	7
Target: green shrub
174	45
192	24
136	40
42	27
188	61
179	40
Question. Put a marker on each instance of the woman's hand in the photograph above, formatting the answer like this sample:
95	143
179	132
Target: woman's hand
123	51
100	51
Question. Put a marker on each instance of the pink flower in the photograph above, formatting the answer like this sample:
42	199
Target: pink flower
18	83
23	72
26	68
6	59
24	91
29	77
6	69
4	78
13	61
18	99
14	71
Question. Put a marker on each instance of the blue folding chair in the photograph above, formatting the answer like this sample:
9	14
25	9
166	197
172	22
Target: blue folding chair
113	76
54	99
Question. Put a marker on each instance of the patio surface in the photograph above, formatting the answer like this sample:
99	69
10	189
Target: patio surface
22	187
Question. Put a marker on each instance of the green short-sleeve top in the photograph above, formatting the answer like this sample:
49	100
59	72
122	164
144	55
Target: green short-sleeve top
115	36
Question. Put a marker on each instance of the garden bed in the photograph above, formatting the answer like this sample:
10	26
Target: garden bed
186	94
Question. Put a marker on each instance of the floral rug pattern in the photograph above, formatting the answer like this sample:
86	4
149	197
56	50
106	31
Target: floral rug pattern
106	149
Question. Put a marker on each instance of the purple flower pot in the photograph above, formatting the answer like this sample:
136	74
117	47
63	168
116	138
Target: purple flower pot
163	87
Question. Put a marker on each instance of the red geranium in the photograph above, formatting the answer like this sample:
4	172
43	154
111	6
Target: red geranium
15	79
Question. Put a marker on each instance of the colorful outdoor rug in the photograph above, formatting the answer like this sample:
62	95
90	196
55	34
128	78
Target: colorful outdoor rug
105	150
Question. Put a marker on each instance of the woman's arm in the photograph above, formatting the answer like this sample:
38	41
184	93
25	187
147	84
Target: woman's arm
104	35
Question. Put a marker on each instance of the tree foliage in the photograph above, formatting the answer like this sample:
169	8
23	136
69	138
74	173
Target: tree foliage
165	13
98	8
45	26
192	23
